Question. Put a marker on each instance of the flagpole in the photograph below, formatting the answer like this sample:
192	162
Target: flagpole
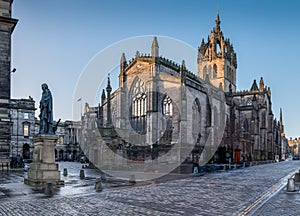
80	109
79	99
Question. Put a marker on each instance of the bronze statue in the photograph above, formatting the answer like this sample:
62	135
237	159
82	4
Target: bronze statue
46	111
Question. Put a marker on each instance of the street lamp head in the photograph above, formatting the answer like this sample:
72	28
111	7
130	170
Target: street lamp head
13	70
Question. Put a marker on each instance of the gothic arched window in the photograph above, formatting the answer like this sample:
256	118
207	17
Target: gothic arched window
218	48
167	106
139	107
209	71
215	71
196	119
167	110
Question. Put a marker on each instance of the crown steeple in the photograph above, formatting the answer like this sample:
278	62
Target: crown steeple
217	59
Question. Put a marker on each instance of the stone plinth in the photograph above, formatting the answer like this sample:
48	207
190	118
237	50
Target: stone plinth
43	168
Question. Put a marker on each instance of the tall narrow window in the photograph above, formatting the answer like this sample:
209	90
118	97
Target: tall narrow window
138	107
26	130
167	110
209	72
196	121
218	49
167	106
215	71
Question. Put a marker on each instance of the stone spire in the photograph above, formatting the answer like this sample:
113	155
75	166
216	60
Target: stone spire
103	97
155	48
108	90
261	84
254	86
281	122
182	71
123	63
269	92
218	22
137	54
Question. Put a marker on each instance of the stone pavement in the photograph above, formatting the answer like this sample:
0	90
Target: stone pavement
282	203
219	193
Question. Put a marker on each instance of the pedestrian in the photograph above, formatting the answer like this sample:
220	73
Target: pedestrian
195	167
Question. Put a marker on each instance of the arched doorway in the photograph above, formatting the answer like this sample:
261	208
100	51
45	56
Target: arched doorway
26	151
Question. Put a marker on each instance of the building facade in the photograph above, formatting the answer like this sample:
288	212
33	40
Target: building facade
160	104
7	25
23	128
294	145
67	147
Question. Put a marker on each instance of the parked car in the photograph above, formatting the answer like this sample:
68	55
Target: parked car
296	157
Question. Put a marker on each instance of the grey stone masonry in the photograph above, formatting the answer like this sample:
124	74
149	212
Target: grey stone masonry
7	25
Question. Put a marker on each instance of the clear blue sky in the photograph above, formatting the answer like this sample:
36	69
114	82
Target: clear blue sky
55	39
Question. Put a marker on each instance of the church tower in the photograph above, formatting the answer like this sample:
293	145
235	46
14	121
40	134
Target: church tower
7	25
217	60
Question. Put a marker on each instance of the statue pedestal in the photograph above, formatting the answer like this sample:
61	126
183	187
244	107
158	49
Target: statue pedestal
43	168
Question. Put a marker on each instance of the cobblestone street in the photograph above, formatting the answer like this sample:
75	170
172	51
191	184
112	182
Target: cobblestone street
219	193
283	203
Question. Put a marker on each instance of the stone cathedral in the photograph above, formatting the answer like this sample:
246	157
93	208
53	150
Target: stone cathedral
160	105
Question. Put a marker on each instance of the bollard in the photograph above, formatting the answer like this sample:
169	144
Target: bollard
65	172
224	167
290	185
244	164
49	188
81	174
98	184
103	177
235	166
297	177
132	179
